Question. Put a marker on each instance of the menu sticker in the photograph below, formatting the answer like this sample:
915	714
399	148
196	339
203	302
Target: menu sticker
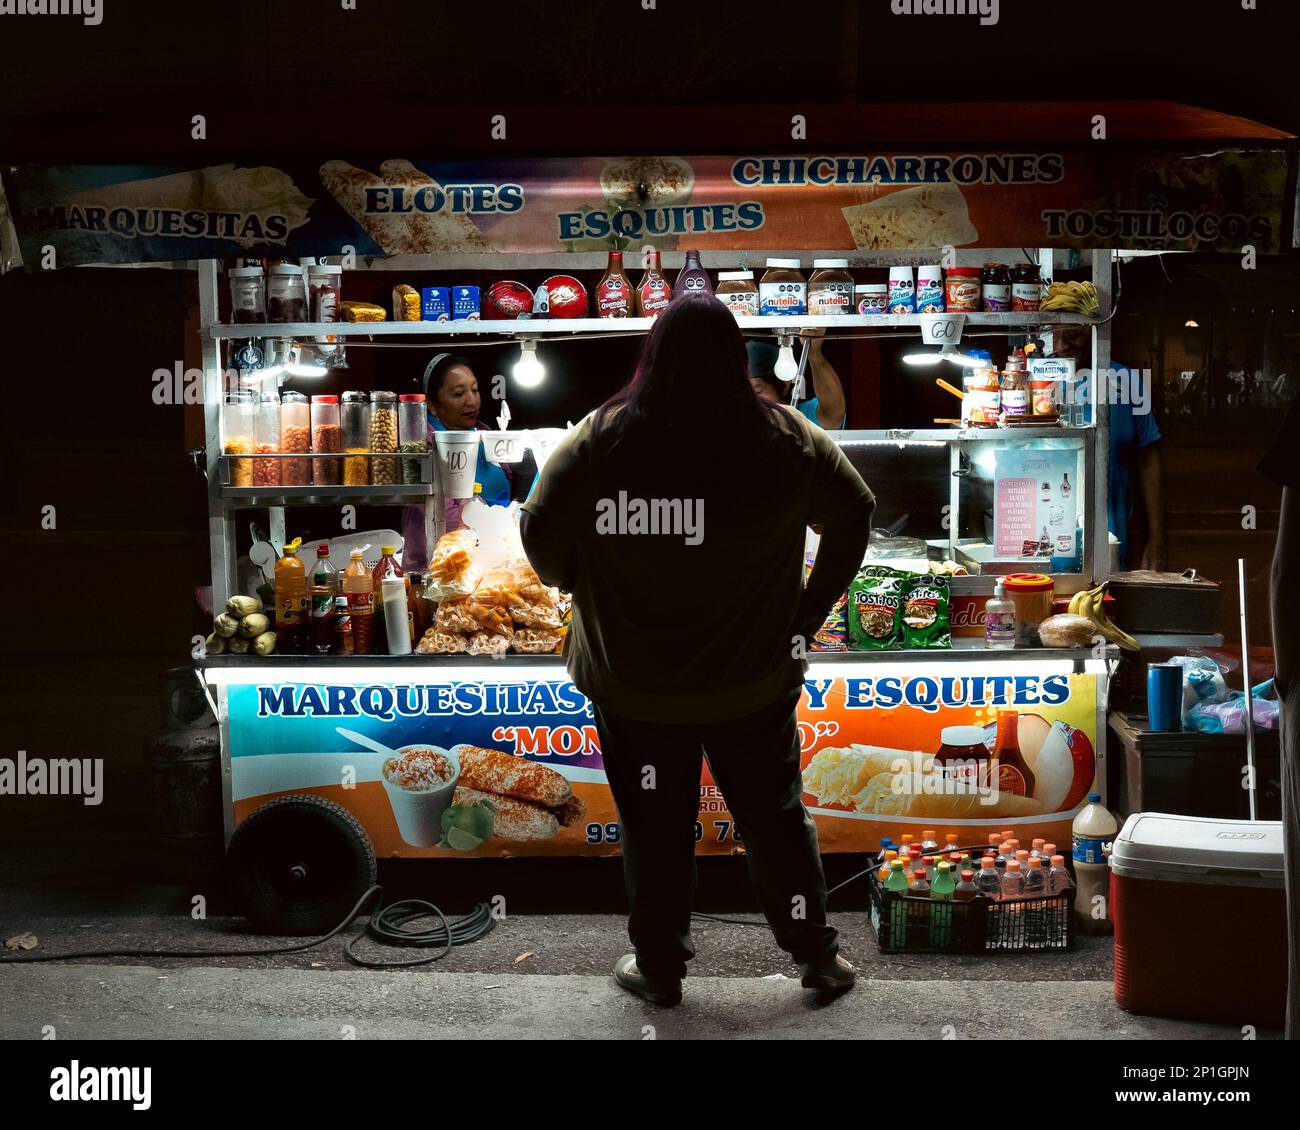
1015	511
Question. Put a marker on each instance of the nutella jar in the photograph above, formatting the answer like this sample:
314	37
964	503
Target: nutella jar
737	292
830	289
958	759
782	290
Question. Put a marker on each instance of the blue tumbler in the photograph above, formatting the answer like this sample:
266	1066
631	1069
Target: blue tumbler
1164	697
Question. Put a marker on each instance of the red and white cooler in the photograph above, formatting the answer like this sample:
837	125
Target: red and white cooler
1199	909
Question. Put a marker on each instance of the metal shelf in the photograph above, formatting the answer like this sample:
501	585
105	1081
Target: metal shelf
964	648
326	495
904	436
549	327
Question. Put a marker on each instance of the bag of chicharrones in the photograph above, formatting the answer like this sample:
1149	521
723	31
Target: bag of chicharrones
533	604
436	641
455	615
537	640
454	569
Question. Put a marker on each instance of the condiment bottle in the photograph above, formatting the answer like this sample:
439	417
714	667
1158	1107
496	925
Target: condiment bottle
653	293
290	602
386	566
1000	620
1015	778
995	288
360	593
614	291
397	617
342	627
325	587
692	278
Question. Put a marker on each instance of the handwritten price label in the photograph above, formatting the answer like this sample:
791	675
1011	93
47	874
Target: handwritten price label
942	329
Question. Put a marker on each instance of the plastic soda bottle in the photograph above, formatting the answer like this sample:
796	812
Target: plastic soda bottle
325	591
919	887
928	842
965	890
941	895
988	881
885	844
950	843
1058	878
1035	879
1037	850
1022	858
897	884
883	873
1013	883
1093	832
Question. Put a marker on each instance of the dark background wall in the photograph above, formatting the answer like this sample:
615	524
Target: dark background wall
103	603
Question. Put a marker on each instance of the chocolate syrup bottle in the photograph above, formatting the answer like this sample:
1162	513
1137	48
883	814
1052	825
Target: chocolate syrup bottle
614	297
653	292
692	278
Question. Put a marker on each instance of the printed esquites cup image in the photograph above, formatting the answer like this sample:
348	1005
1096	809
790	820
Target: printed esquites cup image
420	782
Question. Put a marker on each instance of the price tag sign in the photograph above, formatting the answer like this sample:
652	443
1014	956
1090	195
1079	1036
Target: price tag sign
942	329
543	441
503	447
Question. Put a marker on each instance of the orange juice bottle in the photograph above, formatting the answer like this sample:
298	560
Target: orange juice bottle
291	602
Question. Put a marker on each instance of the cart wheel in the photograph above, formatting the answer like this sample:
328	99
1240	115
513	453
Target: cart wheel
298	864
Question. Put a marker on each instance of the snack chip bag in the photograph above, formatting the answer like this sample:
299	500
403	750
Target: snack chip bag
453	570
925	611
831	635
874	602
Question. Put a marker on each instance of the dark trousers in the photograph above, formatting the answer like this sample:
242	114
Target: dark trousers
654	773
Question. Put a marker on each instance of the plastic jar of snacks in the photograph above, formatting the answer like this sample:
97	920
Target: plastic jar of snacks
286	294
266	472
295	438
412	434
247	294
383	438
354	419
326	436
1032	595
239	430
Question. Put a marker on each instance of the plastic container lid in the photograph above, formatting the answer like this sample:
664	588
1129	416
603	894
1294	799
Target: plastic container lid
832	264
325	398
1029	582
735	276
286	269
1035	862
411	397
1013	865
784	264
387	550
871	288
961	736
325	269
964	272
988	861
1198	849
291	397
244	272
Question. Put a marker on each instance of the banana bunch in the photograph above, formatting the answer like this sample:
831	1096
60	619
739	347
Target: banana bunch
1072	297
1091	604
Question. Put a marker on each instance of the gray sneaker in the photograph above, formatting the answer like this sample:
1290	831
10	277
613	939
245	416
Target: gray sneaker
663	991
830	975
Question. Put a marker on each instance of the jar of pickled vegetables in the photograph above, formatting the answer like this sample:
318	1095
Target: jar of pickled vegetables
326	436
412	434
383	438
238	431
354	420
295	437
266	472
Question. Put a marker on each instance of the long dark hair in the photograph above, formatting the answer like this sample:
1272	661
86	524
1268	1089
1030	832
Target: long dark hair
693	371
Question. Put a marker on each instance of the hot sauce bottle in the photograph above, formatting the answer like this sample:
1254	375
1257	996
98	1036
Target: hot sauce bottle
653	292
614	291
1014	776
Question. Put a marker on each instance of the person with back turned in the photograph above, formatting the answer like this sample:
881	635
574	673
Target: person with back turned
690	621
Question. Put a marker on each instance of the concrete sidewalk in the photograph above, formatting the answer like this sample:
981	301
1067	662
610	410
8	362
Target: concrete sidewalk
131	1002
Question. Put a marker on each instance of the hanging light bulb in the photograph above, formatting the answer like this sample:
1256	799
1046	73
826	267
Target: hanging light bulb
529	372
787	368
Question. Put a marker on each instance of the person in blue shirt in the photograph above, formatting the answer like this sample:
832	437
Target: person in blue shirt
826	407
1134	452
453	403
